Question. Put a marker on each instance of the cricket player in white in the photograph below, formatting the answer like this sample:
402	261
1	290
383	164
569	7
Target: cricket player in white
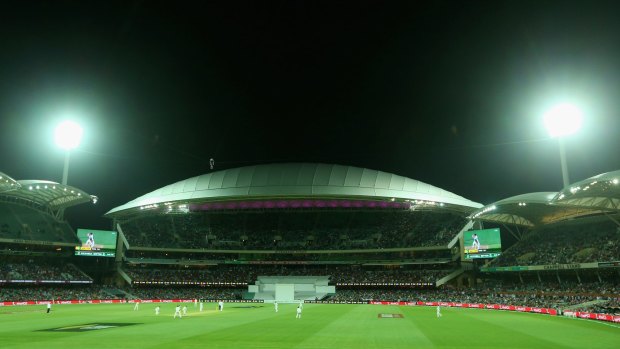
91	240
275	304
184	310
201	305
157	310
221	305
476	242
438	311
298	316
49	307
177	311
137	304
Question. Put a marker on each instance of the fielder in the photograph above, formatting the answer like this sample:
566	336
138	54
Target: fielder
157	310
184	310
438	312
177	311
298	316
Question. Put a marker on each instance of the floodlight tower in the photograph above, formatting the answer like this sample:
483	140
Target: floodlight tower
562	120
68	135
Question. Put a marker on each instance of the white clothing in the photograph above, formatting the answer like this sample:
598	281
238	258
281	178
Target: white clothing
476	243
177	311
91	241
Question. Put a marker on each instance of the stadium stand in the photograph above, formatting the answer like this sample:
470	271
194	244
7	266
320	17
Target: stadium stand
248	273
39	293
25	223
295	231
591	240
49	271
201	239
530	295
187	293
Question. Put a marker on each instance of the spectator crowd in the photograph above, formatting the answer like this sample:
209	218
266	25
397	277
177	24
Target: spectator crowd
295	231
39	271
249	273
565	244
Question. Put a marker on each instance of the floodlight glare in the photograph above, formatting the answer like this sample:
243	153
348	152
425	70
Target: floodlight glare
562	120
68	135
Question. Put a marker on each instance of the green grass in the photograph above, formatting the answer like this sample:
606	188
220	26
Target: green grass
322	326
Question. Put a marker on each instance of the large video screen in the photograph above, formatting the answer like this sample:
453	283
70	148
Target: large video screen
96	243
485	243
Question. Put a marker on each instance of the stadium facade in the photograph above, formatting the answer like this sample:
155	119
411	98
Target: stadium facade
369	234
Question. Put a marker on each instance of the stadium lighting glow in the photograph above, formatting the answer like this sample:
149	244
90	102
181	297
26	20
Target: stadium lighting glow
68	135
562	120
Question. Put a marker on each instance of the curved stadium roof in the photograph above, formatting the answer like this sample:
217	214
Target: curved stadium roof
48	195
296	180
7	183
595	195
526	210
601	191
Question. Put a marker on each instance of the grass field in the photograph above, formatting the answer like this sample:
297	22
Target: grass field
321	326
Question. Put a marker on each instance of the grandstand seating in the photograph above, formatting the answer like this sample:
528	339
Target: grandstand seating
25	223
295	231
19	293
247	274
170	256
540	295
564	244
187	293
37	271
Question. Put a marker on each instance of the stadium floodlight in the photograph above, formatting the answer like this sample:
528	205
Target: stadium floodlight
562	120
68	136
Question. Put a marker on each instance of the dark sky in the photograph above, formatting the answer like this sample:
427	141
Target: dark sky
449	93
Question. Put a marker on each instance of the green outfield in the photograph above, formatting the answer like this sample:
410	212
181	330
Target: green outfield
250	325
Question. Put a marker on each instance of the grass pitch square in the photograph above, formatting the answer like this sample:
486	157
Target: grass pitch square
90	327
390	316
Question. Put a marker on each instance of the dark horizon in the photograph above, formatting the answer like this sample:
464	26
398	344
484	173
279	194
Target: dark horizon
450	93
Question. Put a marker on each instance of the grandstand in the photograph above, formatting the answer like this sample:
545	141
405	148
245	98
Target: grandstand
294	219
366	234
36	243
32	210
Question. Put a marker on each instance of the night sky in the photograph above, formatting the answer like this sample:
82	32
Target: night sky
449	93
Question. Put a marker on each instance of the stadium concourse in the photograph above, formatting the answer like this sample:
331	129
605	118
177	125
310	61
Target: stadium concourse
375	236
